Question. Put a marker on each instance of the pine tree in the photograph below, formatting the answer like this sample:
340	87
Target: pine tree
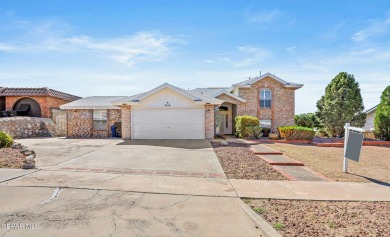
342	103
382	116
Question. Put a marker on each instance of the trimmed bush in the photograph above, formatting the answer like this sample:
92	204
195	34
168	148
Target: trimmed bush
243	122
296	133
253	132
5	140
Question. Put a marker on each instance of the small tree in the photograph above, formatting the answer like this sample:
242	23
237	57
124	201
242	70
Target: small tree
307	120
342	103
382	116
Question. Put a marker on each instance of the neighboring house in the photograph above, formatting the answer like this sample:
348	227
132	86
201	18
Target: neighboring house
169	112
35	102
369	125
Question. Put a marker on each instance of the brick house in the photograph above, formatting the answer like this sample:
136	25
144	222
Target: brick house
169	112
39	101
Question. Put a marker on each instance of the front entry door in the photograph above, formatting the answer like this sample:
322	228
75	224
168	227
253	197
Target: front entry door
223	122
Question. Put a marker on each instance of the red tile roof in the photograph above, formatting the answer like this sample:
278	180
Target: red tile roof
44	91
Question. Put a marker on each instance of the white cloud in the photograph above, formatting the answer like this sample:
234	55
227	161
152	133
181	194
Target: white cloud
374	28
242	56
263	17
128	50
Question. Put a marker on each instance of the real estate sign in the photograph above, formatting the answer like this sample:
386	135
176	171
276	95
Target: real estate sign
354	145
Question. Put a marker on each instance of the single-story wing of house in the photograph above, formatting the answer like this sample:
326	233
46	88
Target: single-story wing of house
169	112
369	125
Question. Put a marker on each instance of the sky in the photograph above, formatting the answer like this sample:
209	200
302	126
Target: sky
90	48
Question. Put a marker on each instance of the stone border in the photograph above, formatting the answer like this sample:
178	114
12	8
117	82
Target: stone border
29	155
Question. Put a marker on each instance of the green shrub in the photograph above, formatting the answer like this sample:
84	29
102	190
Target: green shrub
245	121
296	133
382	116
5	140
252	132
323	132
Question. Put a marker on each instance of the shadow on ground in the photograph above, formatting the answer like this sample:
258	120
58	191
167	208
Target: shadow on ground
183	144
373	180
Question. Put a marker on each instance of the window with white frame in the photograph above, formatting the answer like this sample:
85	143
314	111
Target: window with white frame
265	123
100	119
265	98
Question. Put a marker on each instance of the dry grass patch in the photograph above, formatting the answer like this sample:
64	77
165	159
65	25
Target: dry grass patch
324	218
374	164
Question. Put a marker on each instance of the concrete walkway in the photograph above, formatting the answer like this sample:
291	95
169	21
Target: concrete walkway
305	190
290	168
8	174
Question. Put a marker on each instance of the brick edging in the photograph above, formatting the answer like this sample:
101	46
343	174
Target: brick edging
341	143
293	163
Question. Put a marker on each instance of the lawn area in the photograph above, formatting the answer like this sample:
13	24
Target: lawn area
324	218
374	163
238	162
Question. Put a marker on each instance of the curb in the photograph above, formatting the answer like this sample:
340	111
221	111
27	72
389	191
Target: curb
260	223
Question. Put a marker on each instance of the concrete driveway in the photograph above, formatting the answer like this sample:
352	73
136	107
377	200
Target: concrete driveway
107	187
191	156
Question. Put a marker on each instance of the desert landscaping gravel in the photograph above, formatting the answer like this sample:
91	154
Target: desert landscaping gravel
325	218
11	158
239	162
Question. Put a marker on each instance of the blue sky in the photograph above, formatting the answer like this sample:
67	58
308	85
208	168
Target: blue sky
126	47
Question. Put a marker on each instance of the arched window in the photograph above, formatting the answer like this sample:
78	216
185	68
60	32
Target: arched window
265	98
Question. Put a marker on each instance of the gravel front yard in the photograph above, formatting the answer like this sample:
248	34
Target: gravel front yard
325	218
11	158
239	162
374	163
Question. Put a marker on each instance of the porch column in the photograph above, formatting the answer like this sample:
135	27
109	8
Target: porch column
209	121
126	122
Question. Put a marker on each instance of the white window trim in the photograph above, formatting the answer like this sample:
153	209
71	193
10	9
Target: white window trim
100	118
263	92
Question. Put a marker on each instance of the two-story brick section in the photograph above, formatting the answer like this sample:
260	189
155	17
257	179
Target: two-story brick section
169	112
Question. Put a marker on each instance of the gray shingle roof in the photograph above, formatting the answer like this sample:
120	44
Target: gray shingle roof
43	91
93	102
255	79
194	94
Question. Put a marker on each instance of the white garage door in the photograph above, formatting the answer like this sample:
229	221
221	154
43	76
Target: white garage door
168	123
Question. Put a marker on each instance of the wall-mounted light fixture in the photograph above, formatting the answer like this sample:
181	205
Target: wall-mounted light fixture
167	104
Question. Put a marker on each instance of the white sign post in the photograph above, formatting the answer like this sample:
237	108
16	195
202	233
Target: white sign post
346	134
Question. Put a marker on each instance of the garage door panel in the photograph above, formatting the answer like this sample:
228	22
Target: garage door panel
168	123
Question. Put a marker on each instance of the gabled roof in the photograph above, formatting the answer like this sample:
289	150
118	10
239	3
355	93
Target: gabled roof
93	102
198	98
43	91
216	91
373	109
249	82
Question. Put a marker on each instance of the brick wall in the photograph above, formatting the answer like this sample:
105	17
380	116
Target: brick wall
114	115
209	121
282	106
80	123
45	102
126	122
59	118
